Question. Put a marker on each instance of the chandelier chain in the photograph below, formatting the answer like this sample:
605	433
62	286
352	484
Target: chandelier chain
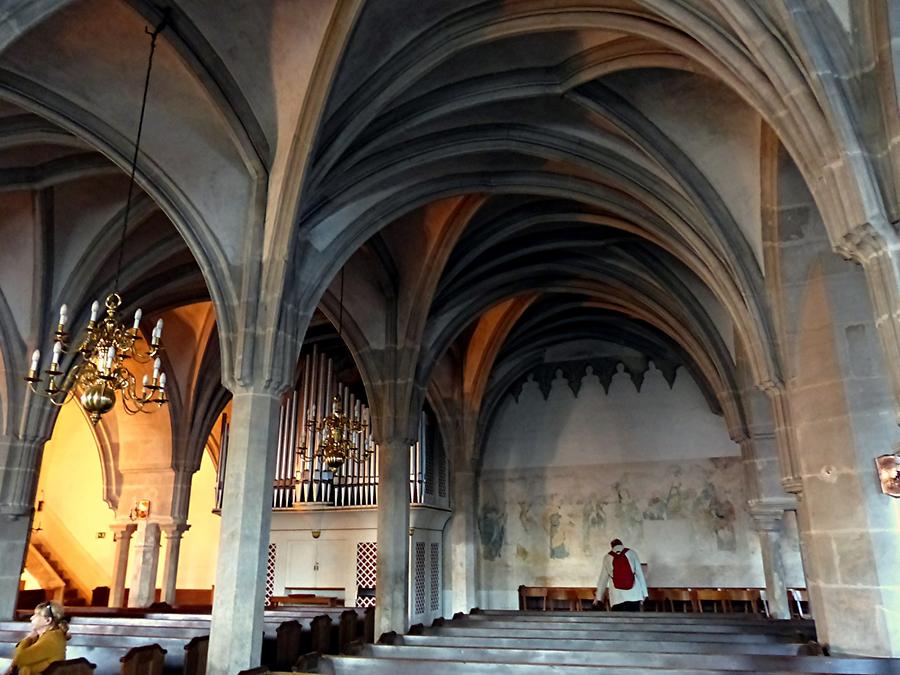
154	34
107	345
341	308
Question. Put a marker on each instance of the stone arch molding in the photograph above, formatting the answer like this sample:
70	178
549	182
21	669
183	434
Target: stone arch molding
764	80
174	183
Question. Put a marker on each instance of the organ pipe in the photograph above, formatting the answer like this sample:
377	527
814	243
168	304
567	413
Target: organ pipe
300	475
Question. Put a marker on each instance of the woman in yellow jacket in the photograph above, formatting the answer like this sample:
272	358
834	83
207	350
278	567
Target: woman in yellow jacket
45	643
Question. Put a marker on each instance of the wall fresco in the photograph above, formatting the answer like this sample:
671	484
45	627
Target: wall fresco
687	520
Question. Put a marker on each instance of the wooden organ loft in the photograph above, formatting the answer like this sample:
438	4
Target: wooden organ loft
323	538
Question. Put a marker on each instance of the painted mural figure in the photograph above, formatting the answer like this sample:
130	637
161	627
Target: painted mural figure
718	515
558	548
593	518
628	511
492	526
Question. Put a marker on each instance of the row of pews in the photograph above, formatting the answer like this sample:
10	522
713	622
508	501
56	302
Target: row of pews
157	643
663	599
499	642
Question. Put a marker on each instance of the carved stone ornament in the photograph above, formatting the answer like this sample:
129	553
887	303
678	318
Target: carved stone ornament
889	474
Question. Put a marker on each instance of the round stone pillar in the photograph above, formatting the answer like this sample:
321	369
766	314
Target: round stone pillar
769	524
174	532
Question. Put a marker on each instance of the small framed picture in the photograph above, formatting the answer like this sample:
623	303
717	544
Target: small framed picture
141	509
889	474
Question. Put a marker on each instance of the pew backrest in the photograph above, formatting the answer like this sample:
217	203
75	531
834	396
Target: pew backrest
195	653
79	666
321	634
288	643
369	625
145	660
348	630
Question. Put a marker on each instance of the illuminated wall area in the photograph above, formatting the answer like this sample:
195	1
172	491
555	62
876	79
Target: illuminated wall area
200	545
72	536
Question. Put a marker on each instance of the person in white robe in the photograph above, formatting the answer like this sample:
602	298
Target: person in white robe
621	599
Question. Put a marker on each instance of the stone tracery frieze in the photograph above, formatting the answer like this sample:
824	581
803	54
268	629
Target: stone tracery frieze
603	367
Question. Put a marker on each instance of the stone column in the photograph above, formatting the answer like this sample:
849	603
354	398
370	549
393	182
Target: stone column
392	581
173	532
142	583
237	618
14	534
768	524
460	544
122	536
842	410
844	417
19	463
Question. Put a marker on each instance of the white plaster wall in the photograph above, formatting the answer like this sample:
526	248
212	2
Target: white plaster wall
596	428
656	468
714	127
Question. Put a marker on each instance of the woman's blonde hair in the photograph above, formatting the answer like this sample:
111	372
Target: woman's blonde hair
57	615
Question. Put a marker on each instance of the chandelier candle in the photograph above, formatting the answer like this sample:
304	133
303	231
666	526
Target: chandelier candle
100	372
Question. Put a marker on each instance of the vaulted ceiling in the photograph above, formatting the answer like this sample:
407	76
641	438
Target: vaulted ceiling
498	178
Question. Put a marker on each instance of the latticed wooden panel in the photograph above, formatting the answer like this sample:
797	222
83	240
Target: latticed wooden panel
270	571
442	472
435	576
366	561
420	577
429	469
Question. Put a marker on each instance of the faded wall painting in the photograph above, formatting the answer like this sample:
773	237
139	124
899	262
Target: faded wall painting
571	462
687	520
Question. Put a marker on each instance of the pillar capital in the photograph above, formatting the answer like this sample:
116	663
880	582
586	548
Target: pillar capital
124	529
19	464
862	242
793	485
174	530
261	359
768	514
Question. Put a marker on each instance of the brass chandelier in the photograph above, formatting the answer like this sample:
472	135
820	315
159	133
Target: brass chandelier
338	436
108	344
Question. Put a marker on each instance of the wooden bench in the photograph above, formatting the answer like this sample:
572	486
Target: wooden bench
79	666
660	599
616	660
107	649
106	639
280	600
146	660
570	643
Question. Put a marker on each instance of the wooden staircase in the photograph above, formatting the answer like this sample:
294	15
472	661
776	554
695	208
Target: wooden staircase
72	596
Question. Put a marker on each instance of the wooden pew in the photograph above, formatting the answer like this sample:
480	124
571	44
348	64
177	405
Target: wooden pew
660	599
314	600
350	629
146	660
290	644
105	639
323	637
108	646
499	642
195	652
79	666
616	660
626	622
490	643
